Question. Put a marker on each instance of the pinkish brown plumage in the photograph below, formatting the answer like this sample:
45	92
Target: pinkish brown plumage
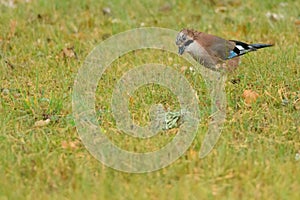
212	51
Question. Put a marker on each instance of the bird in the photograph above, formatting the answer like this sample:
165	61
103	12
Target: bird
214	52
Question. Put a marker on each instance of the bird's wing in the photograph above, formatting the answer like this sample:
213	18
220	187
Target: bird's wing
216	47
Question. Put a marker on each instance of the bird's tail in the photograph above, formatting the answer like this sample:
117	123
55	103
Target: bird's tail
242	48
259	46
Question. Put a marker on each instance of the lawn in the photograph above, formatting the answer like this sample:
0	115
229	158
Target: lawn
43	45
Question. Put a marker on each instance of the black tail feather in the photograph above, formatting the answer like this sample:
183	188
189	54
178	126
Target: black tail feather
259	46
242	48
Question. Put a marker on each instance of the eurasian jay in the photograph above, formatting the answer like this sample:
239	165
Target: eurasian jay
213	52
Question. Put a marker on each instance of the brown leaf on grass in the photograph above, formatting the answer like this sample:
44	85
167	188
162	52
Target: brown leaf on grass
166	7
220	9
12	28
183	68
70	145
64	144
106	11
69	52
41	123
250	96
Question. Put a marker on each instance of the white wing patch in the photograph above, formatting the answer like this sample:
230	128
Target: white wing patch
240	47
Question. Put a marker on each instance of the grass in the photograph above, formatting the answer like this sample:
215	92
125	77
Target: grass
255	156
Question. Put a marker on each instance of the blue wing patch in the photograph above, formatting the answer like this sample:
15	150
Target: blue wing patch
232	54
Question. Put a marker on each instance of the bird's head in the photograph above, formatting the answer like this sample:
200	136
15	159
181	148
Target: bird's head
183	40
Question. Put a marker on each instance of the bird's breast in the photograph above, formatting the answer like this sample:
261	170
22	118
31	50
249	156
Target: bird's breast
200	54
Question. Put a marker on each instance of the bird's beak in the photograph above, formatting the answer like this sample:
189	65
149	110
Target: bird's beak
181	49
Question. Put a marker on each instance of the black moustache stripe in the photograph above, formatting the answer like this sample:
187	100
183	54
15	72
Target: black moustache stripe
187	43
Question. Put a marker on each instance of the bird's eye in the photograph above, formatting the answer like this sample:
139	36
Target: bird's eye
183	37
